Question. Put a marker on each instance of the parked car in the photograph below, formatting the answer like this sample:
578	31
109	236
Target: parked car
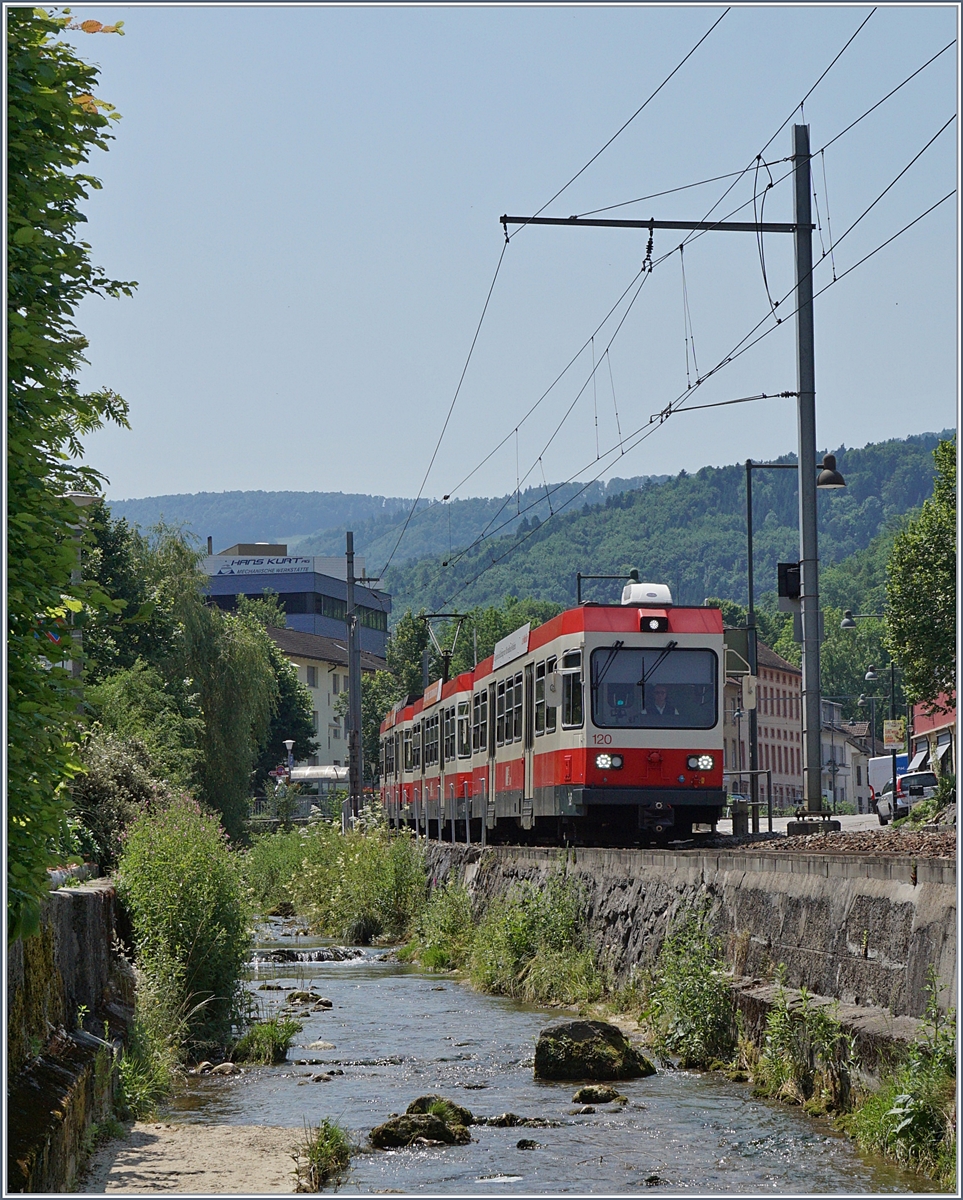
910	789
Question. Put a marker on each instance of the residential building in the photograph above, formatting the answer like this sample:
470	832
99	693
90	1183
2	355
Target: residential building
779	725
322	665
311	590
934	738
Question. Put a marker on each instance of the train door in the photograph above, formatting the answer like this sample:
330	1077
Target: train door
492	782
528	743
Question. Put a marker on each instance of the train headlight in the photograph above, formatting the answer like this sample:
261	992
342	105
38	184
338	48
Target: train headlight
609	762
700	762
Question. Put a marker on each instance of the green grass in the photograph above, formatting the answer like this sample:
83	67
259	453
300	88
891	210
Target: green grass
267	1041
323	1155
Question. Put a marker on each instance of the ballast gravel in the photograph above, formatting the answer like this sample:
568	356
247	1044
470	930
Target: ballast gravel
890	843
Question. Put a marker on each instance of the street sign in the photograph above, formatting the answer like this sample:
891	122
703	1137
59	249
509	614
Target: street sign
894	734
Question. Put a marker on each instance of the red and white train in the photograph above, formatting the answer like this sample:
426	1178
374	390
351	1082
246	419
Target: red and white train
603	724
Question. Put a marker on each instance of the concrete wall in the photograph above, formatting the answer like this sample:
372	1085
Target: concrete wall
857	929
61	1077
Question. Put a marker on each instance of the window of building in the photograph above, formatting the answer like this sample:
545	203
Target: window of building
314	722
312	673
335	683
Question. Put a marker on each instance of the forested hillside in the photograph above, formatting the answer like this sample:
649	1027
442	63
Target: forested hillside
689	531
231	517
315	522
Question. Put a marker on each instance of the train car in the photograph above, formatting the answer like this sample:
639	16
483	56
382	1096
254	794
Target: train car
604	724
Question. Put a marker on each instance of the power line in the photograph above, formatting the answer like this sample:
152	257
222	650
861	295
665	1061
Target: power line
651	97
451	409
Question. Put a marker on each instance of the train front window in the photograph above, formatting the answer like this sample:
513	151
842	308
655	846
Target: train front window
651	689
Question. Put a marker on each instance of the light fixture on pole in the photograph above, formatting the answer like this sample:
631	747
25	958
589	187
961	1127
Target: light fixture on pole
289	746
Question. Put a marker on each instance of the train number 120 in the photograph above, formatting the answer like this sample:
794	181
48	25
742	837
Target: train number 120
601	739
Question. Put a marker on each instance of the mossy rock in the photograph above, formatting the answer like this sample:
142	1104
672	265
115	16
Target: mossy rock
402	1131
587	1050
454	1114
598	1093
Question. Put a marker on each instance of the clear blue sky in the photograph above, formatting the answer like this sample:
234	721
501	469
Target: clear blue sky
309	199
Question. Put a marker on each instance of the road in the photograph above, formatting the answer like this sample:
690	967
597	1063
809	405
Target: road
848	824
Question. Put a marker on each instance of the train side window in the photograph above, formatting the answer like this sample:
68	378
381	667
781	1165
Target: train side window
476	721
449	733
509	706
397	754
409	751
518	707
483	732
500	715
416	746
539	699
572	689
551	710
464	730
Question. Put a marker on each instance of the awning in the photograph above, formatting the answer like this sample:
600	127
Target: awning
941	750
918	760
312	774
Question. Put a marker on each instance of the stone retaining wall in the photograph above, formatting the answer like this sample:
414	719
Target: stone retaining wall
61	1077
860	930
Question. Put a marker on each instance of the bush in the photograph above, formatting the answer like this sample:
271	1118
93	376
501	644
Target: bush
689	1004
115	788
446	929
355	886
181	884
267	1042
533	945
150	1060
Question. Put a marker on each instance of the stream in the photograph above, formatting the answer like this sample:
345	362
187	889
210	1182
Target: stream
397	1033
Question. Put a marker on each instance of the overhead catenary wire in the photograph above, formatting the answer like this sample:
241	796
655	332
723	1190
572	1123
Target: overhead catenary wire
643	432
730	175
451	409
622	128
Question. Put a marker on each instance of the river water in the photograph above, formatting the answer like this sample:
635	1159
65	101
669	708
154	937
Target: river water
397	1033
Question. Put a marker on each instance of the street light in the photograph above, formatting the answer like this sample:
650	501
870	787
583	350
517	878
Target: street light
871	677
289	746
828	478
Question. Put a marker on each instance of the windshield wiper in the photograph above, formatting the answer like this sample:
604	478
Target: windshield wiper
613	651
655	666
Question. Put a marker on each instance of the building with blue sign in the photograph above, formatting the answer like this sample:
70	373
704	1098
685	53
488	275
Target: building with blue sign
311	590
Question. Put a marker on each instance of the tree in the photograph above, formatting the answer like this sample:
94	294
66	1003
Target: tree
53	124
293	715
921	591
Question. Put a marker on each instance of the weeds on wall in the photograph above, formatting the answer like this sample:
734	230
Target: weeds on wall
912	1117
686	1000
533	945
445	930
806	1057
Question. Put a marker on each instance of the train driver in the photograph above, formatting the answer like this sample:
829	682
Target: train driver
661	708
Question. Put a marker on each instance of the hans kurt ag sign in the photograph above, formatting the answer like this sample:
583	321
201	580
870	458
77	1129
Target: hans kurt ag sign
266	564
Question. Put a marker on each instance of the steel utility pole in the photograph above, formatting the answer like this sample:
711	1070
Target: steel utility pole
802	229
355	759
806	409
